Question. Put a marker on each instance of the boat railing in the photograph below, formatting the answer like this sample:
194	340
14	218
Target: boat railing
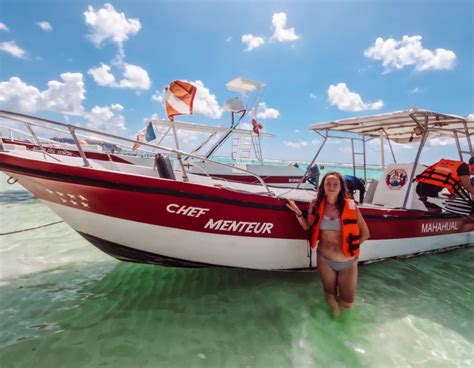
75	132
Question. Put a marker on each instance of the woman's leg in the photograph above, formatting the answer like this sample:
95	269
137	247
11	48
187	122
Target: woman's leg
329	280
347	283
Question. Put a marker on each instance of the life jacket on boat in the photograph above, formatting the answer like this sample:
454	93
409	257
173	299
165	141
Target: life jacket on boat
349	226
442	174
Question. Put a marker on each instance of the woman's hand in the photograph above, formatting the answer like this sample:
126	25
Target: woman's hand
292	206
364	229
299	214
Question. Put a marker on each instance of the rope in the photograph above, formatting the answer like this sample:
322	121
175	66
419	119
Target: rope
31	228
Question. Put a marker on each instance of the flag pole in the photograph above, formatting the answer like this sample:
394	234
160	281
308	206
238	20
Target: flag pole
175	135
179	101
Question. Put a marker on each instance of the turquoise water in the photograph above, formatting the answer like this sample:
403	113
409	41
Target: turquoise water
344	169
65	304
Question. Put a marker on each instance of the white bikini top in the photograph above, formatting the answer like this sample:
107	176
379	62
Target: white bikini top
328	224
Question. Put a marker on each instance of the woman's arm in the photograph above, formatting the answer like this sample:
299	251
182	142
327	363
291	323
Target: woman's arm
466	183
299	214
364	229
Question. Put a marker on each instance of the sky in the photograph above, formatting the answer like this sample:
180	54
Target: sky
104	65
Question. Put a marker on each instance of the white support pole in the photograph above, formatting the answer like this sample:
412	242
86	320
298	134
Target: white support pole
458	145
426	133
382	152
353	158
178	155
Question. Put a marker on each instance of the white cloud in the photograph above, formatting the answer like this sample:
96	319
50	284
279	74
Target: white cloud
18	96
186	138
264	112
228	39
102	75
63	97
108	24
106	119
191	137
345	149
13	49
409	51
246	126
299	144
374	146
281	34
135	77
45	26
398	147
252	41
158	97
153	116
3	27
441	141
416	90
313	96
346	100
205	103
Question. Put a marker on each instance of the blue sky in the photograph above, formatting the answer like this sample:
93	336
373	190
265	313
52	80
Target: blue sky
104	64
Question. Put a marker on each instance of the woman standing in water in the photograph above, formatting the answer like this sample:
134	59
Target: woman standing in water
336	225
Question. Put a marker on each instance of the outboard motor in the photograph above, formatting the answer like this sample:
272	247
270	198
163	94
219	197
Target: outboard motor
164	166
313	174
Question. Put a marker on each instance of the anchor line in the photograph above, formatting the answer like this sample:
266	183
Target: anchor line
31	228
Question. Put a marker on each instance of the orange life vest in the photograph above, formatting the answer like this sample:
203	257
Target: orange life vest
350	228
442	174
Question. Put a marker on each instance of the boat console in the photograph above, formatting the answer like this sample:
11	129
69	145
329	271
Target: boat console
391	188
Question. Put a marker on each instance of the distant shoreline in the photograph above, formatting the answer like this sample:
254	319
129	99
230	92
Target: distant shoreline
369	166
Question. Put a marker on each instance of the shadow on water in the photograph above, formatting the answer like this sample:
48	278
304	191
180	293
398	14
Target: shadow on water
16	197
140	315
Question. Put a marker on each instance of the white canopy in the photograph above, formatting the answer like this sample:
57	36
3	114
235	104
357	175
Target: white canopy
243	85
402	126
201	128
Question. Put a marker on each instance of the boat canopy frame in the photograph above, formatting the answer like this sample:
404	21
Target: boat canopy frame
226	132
404	127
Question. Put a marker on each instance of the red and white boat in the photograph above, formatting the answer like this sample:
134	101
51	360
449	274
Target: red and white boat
182	219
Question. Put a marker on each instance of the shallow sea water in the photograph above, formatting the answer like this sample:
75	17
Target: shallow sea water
65	304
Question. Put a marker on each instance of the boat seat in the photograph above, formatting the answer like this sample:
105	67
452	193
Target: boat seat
369	195
164	167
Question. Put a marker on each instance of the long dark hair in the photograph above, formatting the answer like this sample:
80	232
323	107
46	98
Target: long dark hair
343	193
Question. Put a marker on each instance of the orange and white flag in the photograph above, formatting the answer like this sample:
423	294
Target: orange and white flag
179	98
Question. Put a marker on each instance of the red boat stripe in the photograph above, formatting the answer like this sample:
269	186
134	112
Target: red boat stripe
108	184
177	193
